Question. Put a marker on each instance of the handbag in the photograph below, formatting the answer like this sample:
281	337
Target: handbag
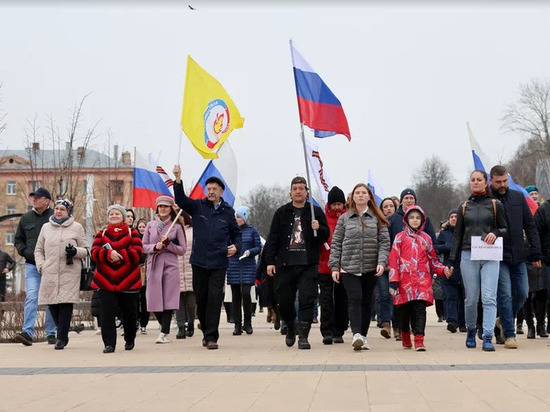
87	272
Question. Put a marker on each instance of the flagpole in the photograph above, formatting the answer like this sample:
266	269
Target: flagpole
308	178
179	146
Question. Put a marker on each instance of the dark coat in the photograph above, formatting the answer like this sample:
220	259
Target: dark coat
213	230
280	232
397	225
6	261
27	232
542	221
243	272
519	219
443	246
476	218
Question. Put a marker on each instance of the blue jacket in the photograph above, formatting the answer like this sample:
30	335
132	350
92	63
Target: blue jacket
397	225
243	272
213	230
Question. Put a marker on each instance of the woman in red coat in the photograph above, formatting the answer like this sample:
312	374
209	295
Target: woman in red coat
117	251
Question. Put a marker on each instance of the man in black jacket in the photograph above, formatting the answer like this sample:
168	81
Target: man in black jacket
6	264
25	241
513	284
293	256
216	236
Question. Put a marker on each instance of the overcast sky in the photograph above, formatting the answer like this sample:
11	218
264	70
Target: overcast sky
408	77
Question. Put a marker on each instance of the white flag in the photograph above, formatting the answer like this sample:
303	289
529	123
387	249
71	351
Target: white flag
318	170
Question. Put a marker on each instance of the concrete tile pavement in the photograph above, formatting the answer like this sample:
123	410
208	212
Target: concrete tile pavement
258	372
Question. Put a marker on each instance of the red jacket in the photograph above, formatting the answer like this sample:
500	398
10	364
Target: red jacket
412	260
332	219
123	275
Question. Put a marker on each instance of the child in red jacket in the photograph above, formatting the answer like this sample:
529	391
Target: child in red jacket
412	260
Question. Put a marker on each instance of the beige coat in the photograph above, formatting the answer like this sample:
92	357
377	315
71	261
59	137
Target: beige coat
60	282
186	272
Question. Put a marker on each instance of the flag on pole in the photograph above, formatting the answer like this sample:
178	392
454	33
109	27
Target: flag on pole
208	115
318	169
318	107
167	179
148	185
224	168
480	160
376	188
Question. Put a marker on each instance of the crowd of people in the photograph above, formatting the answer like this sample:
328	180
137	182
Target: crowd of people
361	261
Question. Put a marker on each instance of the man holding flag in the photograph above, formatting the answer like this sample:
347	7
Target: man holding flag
214	228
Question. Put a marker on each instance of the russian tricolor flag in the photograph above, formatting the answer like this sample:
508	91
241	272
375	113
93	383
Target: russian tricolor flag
199	191
319	108
148	185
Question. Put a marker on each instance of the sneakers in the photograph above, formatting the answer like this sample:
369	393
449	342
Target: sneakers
357	342
451	327
419	343
109	349
510	343
327	340
471	338
366	345
143	330
406	340
23	338
52	340
129	345
386	330
162	338
338	339
487	344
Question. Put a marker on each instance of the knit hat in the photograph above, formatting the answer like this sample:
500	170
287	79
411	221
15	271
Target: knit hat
243	212
453	212
67	204
531	188
41	192
165	200
214	179
119	208
336	195
405	193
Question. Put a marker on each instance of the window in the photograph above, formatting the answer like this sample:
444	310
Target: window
35	184
10	237
10	187
117	187
84	187
10	210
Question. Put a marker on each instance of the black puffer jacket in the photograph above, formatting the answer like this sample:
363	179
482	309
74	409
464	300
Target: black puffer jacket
477	219
519	219
27	232
542	221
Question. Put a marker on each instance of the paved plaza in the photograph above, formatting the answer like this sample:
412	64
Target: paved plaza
259	373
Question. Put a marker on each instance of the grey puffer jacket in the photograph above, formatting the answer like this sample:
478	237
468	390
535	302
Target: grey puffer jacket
358	248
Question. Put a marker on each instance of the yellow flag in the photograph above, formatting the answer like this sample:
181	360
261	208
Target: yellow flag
208	115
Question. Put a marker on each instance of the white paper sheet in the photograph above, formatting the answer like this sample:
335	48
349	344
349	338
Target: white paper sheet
484	251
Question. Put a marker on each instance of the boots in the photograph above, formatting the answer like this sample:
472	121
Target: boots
276	321
303	333
190	329
471	338
248	328
519	329
419	343
253	309
238	330
181	331
406	340
488	344
531	332
228	312
386	330
541	330
290	333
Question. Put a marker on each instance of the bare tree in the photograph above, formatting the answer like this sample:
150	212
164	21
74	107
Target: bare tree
263	201
2	114
435	189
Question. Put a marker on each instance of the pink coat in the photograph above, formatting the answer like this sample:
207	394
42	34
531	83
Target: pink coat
412	260
163	272
186	272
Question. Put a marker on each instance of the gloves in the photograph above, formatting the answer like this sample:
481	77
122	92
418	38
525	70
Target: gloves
70	252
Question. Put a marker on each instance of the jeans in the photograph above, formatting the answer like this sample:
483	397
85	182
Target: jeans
359	291
513	288
453	301
32	286
480	275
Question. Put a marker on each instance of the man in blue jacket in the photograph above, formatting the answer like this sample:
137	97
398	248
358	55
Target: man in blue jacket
216	236
513	284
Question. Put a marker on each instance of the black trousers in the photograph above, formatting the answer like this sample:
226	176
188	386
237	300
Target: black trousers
359	290
334	306
241	299
535	305
439	308
126	302
164	318
303	279
208	285
61	315
187	311
2	287
453	301
413	314
143	315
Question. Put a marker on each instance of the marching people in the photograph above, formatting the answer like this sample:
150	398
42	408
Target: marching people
533	191
360	247
117	252
412	261
481	216
186	314
26	236
163	243
59	251
453	291
513	284
216	238
241	272
292	257
332	296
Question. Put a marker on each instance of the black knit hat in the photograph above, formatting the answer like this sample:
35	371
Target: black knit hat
405	193
453	211
336	195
